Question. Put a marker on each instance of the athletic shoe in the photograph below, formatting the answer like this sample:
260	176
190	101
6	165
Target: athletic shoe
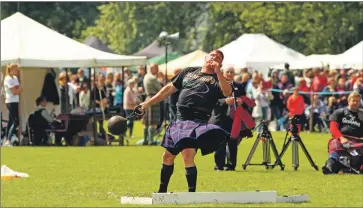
229	169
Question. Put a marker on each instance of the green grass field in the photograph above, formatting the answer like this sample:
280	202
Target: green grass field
99	176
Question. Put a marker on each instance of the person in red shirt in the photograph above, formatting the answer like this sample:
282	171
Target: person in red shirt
346	126
296	106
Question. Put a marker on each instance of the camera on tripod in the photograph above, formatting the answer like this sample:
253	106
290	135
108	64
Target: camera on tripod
294	121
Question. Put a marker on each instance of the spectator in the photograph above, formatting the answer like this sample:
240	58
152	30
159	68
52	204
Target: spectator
84	97
262	109
319	113
152	115
81	78
12	92
110	89
296	106
43	120
130	102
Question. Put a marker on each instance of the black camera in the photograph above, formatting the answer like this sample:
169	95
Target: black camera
294	121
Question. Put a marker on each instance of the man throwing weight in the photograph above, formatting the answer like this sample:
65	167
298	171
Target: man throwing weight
199	88
345	123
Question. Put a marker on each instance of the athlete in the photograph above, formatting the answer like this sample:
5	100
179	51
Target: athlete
346	126
199	88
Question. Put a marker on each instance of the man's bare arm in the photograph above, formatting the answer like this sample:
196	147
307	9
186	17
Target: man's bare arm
165	92
223	83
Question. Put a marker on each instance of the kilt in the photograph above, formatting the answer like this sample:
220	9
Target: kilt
152	115
182	134
334	146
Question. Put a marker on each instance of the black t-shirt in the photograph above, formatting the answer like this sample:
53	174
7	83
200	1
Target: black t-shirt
350	123
198	94
219	115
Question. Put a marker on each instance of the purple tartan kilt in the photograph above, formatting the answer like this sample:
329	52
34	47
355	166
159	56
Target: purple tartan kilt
194	134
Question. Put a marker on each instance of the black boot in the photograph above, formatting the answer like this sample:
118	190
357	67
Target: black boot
331	167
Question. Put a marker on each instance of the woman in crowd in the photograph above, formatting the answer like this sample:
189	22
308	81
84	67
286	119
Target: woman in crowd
130	102
12	92
84	97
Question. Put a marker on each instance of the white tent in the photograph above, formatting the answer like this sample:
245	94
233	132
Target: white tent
31	44
313	61
354	56
37	48
257	52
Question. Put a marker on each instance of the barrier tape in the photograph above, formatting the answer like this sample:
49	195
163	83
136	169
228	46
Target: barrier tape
317	93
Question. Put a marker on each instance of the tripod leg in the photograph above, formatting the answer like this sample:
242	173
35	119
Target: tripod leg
266	152
248	161
295	153
307	154
284	150
276	154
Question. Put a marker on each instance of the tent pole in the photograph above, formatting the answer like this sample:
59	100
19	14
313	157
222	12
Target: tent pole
94	122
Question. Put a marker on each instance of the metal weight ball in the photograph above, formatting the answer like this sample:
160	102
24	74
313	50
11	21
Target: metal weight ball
117	125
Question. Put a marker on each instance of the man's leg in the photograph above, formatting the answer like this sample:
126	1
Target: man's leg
220	158
232	147
152	134
332	164
190	168
167	170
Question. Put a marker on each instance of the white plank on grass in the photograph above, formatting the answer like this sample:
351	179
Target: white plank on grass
215	197
136	200
293	199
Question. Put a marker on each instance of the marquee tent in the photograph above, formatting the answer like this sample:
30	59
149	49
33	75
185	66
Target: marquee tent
313	61
354	56
32	44
257	52
37	49
183	61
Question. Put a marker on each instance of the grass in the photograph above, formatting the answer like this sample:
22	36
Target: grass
98	176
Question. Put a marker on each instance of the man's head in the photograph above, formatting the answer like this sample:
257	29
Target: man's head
41	101
295	91
63	78
80	73
228	73
284	78
354	101
101	80
287	66
215	55
154	69
141	70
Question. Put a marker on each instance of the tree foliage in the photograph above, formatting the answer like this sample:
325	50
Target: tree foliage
127	27
68	18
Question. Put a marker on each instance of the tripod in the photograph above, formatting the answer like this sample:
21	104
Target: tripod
296	141
267	143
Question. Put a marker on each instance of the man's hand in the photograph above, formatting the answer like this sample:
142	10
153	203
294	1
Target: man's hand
230	100
217	66
144	106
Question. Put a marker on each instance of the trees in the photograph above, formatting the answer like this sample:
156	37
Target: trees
129	26
308	27
68	18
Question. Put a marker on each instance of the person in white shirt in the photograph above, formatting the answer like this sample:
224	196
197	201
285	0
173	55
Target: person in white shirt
12	91
84	97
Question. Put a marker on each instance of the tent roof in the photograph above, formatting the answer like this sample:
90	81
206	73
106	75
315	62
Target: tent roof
97	44
354	56
257	48
183	61
31	44
153	50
